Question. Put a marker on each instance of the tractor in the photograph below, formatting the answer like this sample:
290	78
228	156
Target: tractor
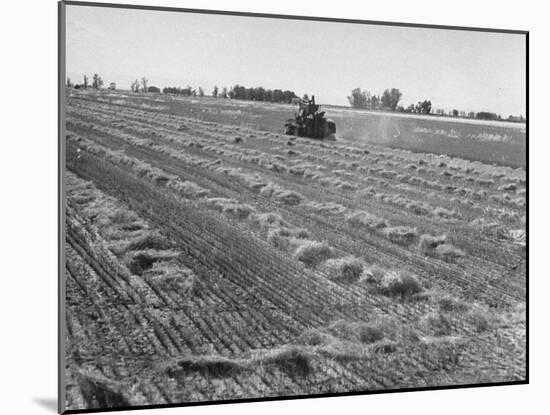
310	122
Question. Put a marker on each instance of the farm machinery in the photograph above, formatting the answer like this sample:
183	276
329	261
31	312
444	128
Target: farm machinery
310	122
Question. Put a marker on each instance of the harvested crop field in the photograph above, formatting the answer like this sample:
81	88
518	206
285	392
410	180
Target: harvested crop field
491	142
209	260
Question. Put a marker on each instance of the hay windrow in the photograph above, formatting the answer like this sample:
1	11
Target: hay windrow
428	243
329	208
448	252
356	331
449	304
365	220
312	253
290	359
172	275
148	240
268	219
314	337
401	284
374	274
99	391
140	261
287	197
347	269
438	323
479	321
446	213
230	207
206	365
402	235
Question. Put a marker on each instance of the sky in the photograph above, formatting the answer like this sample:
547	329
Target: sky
466	70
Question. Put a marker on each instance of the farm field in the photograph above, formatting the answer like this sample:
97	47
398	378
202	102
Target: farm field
493	142
210	258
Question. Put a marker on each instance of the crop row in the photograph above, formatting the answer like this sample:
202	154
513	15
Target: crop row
274	163
253	185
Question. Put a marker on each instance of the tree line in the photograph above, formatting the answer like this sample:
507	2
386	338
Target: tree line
359	99
187	91
365	100
96	83
236	92
389	101
261	94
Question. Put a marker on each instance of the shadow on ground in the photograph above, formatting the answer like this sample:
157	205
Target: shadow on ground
48	403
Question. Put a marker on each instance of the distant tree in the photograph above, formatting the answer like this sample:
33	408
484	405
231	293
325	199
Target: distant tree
395	97
172	90
135	86
390	98
187	91
427	106
215	92
144	82
97	82
201	92
153	89
236	92
289	96
410	108
278	95
386	99
471	114
375	102
358	98
484	115
258	94
306	97
515	118
261	94
231	93
69	83
85	84
455	113
424	107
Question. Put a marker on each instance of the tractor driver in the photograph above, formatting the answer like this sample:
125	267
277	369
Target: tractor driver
312	108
